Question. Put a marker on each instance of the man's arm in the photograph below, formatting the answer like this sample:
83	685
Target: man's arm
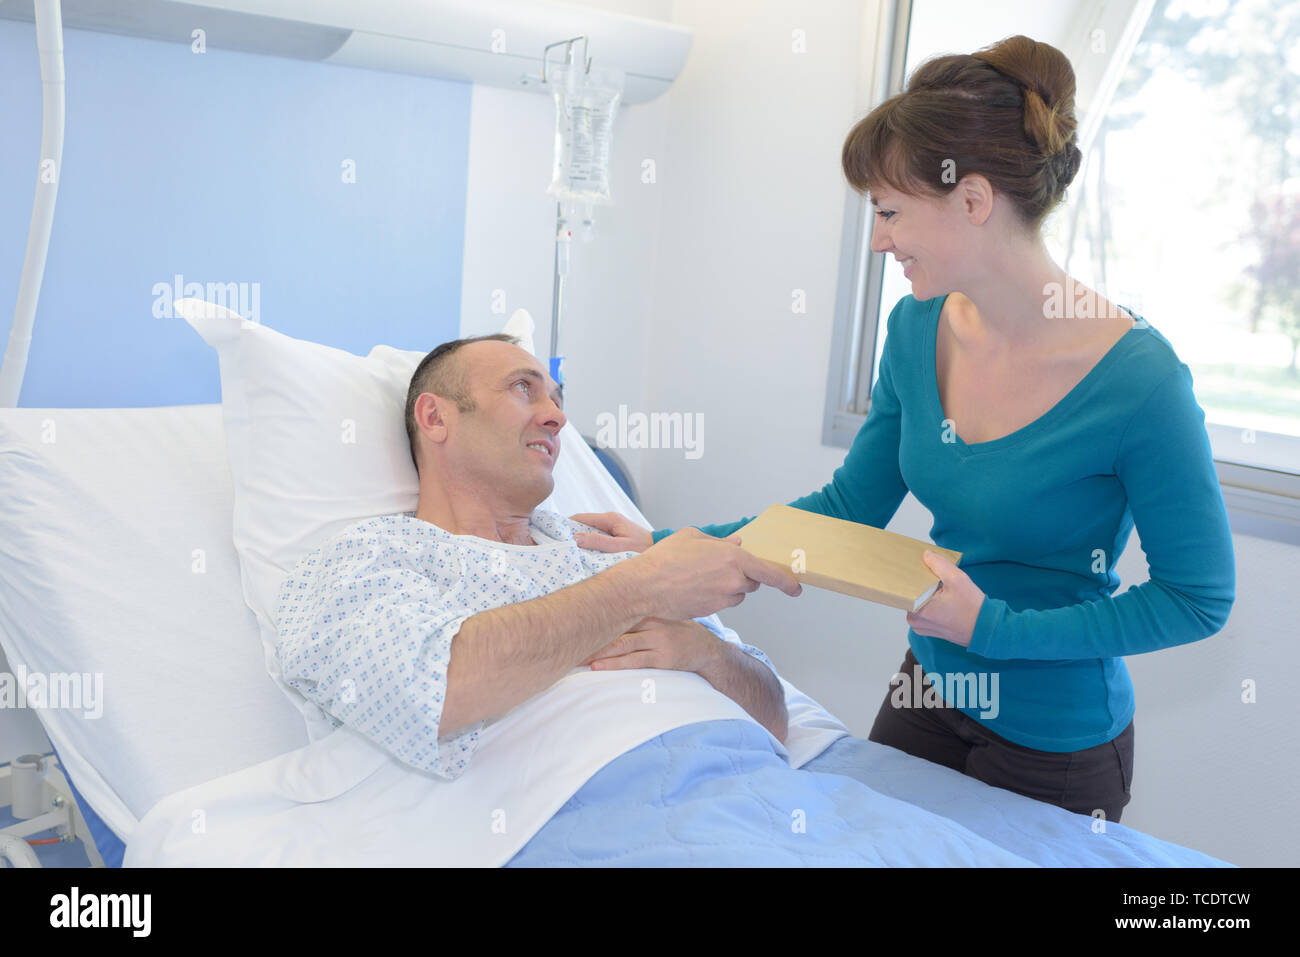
503	656
751	684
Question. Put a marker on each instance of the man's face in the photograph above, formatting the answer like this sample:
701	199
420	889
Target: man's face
510	441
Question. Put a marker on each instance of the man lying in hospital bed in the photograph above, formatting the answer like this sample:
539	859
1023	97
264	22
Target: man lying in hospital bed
199	759
415	629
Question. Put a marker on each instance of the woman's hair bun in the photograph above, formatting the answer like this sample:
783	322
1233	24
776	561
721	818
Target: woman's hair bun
1005	112
1047	79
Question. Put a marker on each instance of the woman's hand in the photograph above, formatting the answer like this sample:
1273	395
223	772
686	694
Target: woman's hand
951	613
621	533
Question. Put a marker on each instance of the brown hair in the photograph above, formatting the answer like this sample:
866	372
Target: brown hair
440	374
1005	112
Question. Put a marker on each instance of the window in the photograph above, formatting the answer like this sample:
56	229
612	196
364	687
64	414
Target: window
1186	210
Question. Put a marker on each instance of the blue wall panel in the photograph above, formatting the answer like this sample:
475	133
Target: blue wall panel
226	168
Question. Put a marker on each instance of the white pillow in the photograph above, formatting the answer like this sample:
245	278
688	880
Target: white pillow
316	439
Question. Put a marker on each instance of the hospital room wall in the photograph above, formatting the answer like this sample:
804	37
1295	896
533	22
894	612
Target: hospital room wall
329	201
684	304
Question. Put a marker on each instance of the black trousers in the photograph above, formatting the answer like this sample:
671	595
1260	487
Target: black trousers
1097	778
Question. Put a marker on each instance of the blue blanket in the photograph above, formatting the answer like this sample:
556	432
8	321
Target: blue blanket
717	794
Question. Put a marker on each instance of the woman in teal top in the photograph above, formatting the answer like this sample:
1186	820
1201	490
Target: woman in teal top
1039	424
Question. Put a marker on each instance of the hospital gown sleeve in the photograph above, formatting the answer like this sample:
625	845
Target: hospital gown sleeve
715	625
1166	466
869	486
365	634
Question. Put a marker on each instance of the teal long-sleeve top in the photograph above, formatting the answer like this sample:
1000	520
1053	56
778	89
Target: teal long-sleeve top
1041	517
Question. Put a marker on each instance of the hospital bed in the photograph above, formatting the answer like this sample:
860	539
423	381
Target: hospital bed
144	545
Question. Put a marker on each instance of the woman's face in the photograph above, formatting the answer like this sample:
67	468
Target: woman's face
923	234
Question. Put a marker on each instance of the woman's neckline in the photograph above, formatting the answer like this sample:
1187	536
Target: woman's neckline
1037	425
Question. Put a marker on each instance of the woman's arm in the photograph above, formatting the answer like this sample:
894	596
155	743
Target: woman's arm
1166	466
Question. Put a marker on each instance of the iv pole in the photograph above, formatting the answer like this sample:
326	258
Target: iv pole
563	234
563	237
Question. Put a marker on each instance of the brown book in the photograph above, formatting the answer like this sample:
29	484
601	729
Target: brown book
846	557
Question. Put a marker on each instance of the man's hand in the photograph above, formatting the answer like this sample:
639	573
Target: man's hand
690	574
689	646
660	643
621	533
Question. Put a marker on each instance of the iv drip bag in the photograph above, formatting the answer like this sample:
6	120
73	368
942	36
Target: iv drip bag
585	106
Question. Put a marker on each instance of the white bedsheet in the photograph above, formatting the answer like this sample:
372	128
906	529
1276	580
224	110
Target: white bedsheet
343	801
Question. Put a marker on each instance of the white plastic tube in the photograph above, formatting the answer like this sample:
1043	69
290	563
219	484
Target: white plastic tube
17	852
49	41
25	785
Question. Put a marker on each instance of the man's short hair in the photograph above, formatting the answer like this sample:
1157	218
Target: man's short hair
443	375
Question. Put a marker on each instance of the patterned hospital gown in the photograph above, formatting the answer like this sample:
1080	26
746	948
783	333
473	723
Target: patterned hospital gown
366	621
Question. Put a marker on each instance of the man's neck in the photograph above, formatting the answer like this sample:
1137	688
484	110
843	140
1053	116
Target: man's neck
463	516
